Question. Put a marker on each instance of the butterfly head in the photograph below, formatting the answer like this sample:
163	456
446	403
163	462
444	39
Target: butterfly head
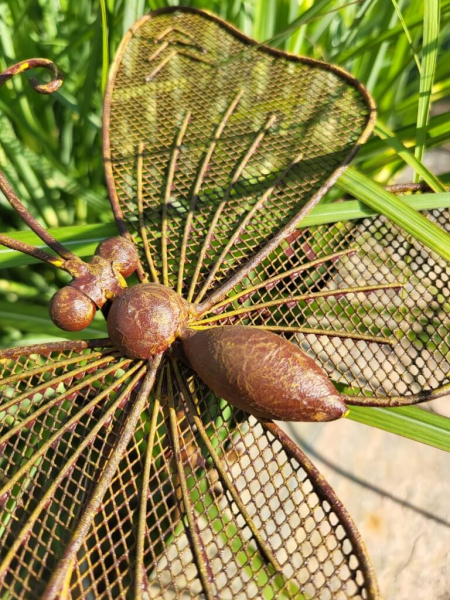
73	307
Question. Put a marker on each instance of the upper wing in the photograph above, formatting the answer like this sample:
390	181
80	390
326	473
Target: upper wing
213	145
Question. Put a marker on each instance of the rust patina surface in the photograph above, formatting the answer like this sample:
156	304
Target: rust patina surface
263	374
124	470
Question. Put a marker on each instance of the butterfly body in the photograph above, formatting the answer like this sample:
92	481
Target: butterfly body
146	319
256	371
263	374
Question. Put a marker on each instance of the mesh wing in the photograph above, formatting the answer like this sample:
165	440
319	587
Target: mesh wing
213	145
54	401
200	502
411	319
297	516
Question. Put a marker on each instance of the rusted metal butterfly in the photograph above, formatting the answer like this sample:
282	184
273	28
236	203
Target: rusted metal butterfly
147	465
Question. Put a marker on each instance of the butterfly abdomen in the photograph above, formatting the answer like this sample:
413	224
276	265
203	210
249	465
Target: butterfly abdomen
263	374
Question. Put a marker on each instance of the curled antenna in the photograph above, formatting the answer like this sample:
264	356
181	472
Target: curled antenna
41	88
33	63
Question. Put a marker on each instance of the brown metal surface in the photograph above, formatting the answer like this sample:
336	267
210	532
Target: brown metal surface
35	63
122	479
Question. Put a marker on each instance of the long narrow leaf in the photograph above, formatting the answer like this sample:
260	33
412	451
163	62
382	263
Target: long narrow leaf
105	53
351	210
438	125
308	16
390	138
410	422
304	18
365	44
407	34
31	318
431	20
83	240
395	209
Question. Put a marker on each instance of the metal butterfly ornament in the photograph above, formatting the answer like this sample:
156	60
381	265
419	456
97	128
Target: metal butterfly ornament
125	471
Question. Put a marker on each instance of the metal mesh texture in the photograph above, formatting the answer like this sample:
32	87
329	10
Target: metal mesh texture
265	133
304	523
414	316
208	160
64	437
196	202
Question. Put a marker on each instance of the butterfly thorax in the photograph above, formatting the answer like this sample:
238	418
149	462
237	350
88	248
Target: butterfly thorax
146	319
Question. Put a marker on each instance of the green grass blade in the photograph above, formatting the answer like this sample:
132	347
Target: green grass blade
133	9
351	210
410	421
83	239
309	15
367	43
105	52
80	239
376	59
375	156
395	209
31	318
407	34
431	20
390	138
440	90
399	72
438	126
